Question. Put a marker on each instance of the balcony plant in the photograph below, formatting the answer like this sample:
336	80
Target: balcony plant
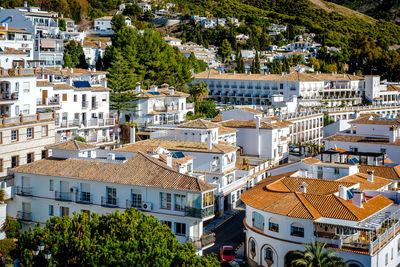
2	196
11	227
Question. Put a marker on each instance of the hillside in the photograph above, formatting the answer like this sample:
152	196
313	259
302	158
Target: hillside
379	9
335	25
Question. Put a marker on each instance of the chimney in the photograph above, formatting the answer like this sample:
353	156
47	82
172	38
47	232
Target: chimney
234	73
343	192
153	88
392	134
5	26
171	90
282	74
209	141
132	136
25	4
258	122
249	72
303	187
370	176
110	156
169	160
358	198
71	70
137	88
99	44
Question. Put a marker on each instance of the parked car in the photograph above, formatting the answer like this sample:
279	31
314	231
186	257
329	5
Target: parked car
227	254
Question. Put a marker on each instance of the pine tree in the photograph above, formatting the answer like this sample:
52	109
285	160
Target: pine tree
121	80
68	60
257	68
226	50
240	63
99	63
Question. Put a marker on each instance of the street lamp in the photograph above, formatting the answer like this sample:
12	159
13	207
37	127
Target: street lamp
40	249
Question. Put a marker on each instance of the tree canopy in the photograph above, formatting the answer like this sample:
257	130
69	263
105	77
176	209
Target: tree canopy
74	56
129	238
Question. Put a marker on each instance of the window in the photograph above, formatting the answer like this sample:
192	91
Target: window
253	248
26	87
136	201
296	230
208	199
167	223
281	86
386	259
44	154
180	228
44	130
268	254
51	210
64	211
14	135
75	98
51	185
165	200
1	165
189	167
336	170
258	220
26	109
1	138
180	202
111	195
273	225
383	150
14	161
30	157
238	195
29	133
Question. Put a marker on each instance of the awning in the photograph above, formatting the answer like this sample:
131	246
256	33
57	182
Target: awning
48	43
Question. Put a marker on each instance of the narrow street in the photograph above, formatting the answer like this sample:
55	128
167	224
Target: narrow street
229	233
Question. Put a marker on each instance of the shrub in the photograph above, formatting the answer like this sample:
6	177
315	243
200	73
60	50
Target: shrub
11	227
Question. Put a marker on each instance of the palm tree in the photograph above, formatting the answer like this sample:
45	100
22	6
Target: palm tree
316	255
199	91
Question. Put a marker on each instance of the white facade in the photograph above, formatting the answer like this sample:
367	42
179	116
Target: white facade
103	25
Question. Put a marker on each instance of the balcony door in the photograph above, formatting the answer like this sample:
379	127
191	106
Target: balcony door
64	186
25	182
26	207
44	96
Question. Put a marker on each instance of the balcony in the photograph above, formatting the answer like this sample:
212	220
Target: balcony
68	124
48	101
24	191
199	213
8	97
95	105
24	216
84	198
62	196
204	241
85	104
109	202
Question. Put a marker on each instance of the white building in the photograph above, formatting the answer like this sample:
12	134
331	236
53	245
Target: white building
145	7
102	26
264	137
81	100
242	37
172	41
158	106
283	213
257	89
18	40
79	178
94	48
369	134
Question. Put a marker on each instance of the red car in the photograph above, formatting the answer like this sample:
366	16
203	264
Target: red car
227	254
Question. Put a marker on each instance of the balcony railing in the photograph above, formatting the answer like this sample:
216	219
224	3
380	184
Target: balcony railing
25	216
95	105
199	213
84	198
85	104
203	241
24	191
109	202
62	196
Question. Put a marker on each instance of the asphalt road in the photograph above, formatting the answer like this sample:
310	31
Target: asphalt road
230	233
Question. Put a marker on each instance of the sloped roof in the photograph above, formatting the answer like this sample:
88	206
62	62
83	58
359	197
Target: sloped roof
152	144
72	145
382	171
282	196
361	178
199	124
141	170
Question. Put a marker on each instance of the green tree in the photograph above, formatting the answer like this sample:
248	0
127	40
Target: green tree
240	63
198	91
256	62
77	56
118	22
129	238
133	10
206	108
121	80
62	25
225	51
316	255
99	63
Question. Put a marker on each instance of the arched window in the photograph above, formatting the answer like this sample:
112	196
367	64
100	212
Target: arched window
258	220
268	254
252	248
353	264
273	225
296	229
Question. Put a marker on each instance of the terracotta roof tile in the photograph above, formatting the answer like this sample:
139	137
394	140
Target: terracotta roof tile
361	139
311	160
361	178
382	171
222	130
141	170
72	145
199	124
217	118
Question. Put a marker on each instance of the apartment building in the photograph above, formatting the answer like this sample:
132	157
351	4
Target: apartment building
305	127
362	232
18	40
95	48
158	106
79	178
369	134
80	99
103	26
258	89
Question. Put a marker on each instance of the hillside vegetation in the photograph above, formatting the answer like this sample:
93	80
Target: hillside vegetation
380	9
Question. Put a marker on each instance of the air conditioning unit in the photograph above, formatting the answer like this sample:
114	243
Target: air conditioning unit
146	206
